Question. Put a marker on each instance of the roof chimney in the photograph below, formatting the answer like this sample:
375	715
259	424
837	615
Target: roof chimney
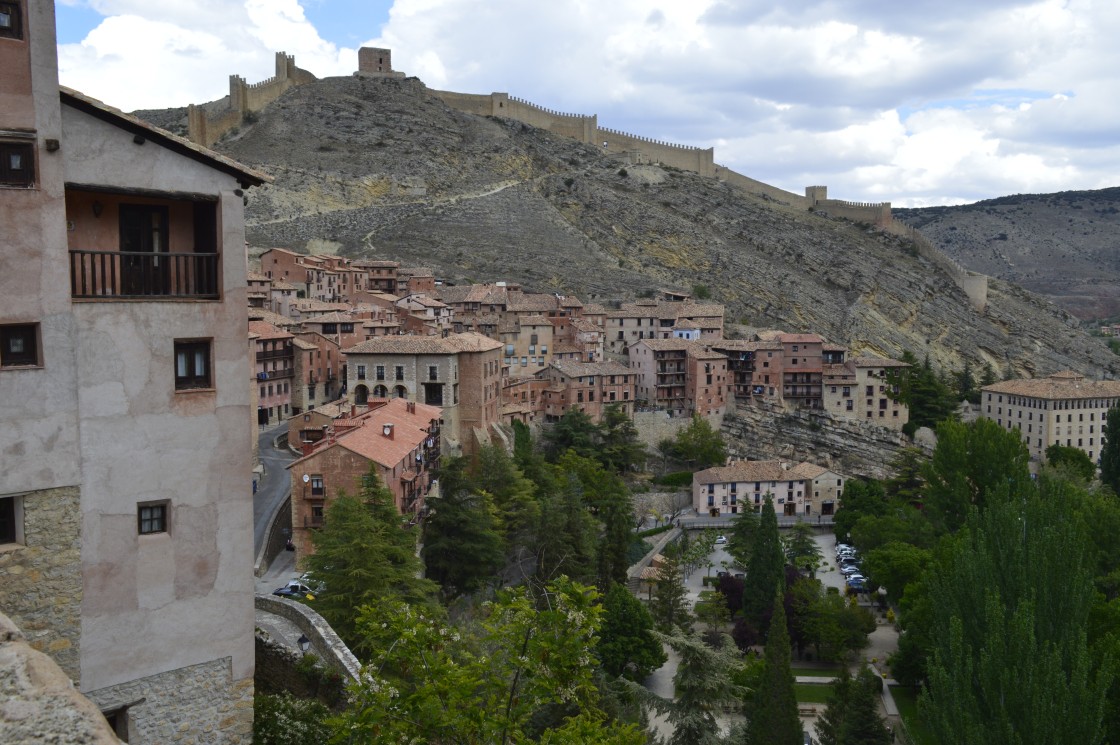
353	410
387	430
308	447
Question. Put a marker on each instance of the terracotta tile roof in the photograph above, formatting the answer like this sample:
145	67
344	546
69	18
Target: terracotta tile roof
531	302
466	342
261	314
410	429
305	345
738	345
1062	385
800	339
686	324
312	305
257	277
759	470
336	317
840	370
565	348
376	263
283	286
829	347
876	362
700	350
265	330
574	369
415	271
183	146
594	309
585	326
570	301
283	251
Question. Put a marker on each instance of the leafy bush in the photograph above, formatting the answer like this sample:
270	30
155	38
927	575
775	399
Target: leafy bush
286	720
654	531
679	479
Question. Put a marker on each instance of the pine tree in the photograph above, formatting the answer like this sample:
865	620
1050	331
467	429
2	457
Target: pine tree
862	724
620	450
566	536
627	645
831	721
669	605
364	552
765	574
773	713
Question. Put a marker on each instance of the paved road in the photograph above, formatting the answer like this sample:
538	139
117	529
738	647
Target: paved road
274	485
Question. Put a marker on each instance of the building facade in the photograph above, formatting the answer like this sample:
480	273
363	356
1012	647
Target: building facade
127	517
798	489
1062	409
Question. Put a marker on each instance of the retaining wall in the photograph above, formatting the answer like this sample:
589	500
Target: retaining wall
324	642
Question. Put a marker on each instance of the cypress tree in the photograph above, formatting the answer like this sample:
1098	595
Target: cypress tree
1110	451
766	570
774	718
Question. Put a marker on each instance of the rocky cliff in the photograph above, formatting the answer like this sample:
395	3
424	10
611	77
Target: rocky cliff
1062	246
380	168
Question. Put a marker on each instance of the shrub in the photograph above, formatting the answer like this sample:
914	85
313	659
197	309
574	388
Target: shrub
678	479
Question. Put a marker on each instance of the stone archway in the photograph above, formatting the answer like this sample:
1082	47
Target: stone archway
400	392
380	391
361	395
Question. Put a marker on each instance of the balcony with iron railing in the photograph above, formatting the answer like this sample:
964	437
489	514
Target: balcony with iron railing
276	374
132	275
275	354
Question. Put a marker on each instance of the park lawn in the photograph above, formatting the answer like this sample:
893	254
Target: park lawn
906	699
812	693
815	672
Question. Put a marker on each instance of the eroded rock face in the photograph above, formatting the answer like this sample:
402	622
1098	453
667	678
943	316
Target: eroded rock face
490	199
1062	246
38	702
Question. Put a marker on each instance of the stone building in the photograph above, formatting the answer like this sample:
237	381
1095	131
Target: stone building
587	386
460	373
798	489
864	388
1063	409
275	372
654	319
681	377
126	539
398	438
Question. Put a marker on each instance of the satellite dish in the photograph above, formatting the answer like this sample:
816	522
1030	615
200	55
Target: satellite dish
306	478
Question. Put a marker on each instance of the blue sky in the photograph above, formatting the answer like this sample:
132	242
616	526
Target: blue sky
912	103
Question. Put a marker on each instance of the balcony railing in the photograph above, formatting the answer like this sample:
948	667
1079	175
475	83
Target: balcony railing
275	354
143	275
274	374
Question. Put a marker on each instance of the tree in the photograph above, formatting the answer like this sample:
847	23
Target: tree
801	549
567	533
702	685
740	541
966	384
462	548
839	627
493	472
1011	603
1110	451
765	571
287	720
906	486
627	644
620	450
852	716
859	498
896	566
1075	460
773	718
699	445
573	431
929	399
363	552
972	464
669	604
608	499
428	682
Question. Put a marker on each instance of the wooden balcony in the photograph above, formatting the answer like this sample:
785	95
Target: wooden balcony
120	275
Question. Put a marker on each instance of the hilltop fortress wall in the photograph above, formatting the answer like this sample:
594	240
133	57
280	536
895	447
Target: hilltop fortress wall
206	126
208	122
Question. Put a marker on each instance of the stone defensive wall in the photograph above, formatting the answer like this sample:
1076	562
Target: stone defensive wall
644	150
205	126
974	285
751	186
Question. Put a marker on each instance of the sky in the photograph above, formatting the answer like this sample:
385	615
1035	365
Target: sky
915	102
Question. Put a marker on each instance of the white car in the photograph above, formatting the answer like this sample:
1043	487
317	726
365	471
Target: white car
721	539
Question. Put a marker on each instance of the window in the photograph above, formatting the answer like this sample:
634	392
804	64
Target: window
11	520
380	372
10	26
399	372
317	489
192	365
361	372
152	518
17	162
433	372
19	345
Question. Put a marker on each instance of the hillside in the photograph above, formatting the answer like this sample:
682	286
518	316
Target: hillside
379	168
1063	246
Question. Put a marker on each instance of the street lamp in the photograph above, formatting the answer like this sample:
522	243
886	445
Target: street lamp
304	643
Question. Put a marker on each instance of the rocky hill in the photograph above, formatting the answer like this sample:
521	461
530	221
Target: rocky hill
1065	246
380	168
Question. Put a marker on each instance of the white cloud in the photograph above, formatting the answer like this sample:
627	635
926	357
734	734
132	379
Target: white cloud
880	99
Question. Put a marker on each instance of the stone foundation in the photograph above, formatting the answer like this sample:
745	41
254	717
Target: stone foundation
196	704
41	580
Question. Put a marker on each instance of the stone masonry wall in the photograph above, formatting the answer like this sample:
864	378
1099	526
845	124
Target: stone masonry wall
655	426
326	644
41	580
279	670
196	704
850	447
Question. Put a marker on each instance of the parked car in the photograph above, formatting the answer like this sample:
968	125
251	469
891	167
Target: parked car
720	539
856	587
853	578
294	589
849	570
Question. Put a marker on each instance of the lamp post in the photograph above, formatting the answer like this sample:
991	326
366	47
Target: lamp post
304	643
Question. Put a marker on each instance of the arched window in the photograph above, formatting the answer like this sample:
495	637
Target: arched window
361	394
400	392
380	392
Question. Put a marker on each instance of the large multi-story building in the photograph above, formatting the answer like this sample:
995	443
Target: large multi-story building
653	319
460	373
798	489
1062	409
681	377
866	389
125	517
587	386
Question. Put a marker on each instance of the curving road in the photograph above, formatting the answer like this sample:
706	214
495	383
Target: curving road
274	485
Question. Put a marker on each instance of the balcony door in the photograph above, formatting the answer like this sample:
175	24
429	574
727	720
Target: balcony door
143	238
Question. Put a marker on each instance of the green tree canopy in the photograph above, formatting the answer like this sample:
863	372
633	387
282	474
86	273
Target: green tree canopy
573	431
1074	460
363	552
627	645
773	712
699	445
971	464
620	450
669	604
765	573
1110	451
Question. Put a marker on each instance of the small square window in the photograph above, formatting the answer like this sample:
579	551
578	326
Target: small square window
11	520
152	518
192	365
17	164
19	345
10	26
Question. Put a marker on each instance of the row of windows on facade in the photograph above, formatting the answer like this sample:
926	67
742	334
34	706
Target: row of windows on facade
1057	417
151	517
1057	433
1045	405
281	389
510	349
20	346
398	372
